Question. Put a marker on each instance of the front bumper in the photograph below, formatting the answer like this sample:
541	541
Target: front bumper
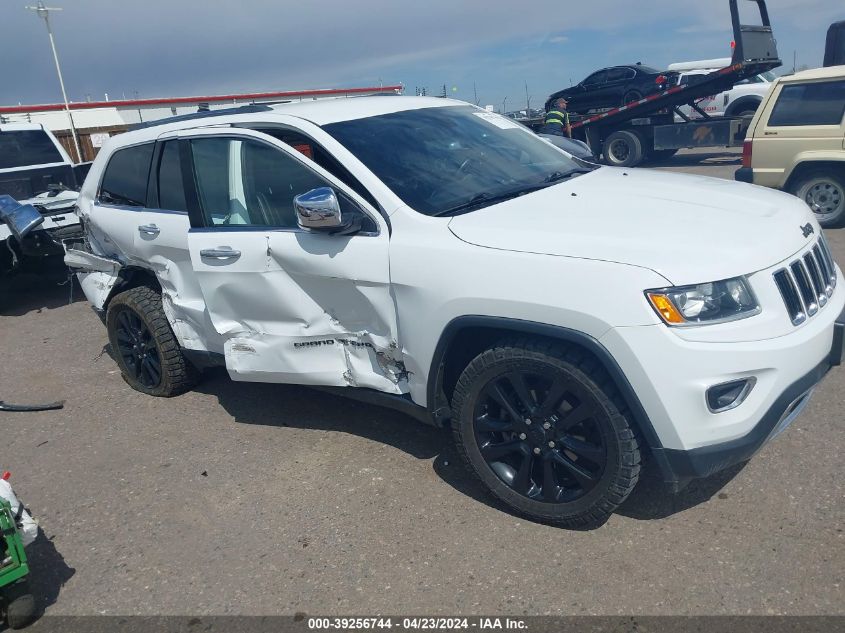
692	442
744	174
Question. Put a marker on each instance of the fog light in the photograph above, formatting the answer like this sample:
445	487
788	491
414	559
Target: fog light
729	395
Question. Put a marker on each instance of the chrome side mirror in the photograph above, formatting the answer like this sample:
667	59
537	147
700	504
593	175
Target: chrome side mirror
20	218
318	210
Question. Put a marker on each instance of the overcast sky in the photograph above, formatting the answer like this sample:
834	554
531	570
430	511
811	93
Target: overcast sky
159	48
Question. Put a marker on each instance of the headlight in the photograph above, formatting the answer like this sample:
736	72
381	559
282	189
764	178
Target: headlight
714	302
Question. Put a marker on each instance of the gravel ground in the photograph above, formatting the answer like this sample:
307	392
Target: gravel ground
269	499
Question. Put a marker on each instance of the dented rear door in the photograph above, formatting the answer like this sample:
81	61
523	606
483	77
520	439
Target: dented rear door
292	306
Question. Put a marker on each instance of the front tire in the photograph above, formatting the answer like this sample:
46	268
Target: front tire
824	193
544	429
20	607
146	350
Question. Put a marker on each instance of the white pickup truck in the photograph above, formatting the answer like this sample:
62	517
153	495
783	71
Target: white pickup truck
35	169
570	322
740	101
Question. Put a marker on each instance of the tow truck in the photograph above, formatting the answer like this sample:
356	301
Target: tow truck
646	129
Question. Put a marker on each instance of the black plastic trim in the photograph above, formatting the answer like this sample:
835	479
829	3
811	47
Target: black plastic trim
744	174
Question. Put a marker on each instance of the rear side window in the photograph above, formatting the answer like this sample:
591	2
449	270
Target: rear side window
171	190
27	148
821	103
125	180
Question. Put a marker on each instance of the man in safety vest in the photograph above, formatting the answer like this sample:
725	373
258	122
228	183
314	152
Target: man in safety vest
557	120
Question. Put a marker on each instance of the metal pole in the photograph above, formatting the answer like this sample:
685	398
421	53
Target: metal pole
44	12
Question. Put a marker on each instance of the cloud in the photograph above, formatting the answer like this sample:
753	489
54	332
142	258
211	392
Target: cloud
166	47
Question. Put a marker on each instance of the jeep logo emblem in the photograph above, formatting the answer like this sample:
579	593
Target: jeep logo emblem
807	230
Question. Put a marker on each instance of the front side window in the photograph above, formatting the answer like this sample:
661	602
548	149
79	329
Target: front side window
439	160
249	183
125	179
27	148
819	103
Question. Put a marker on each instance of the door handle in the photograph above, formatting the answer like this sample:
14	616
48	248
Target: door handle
149	229
221	252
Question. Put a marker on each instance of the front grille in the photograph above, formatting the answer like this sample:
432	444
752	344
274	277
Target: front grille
807	284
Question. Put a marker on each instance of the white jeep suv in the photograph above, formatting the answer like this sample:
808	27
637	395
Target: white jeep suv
568	321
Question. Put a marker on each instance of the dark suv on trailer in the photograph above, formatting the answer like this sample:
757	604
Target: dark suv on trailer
611	87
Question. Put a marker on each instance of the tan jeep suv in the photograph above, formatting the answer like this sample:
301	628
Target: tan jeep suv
796	141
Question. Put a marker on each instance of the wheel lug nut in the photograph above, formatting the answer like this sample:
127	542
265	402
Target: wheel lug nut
551	444
547	426
522	436
528	421
536	451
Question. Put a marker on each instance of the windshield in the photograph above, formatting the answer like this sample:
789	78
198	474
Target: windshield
454	158
24	148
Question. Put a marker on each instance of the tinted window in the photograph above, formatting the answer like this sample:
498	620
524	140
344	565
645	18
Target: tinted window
125	180
27	147
248	183
436	159
620	74
171	192
596	78
821	103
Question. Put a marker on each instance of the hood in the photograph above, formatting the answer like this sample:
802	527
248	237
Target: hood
689	229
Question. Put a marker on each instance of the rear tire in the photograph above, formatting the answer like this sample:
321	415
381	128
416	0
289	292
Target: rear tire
631	95
824	192
545	430
623	148
147	352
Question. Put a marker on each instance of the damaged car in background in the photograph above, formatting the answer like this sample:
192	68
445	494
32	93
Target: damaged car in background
571	323
36	170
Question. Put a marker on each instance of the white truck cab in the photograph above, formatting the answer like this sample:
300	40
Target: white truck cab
35	169
567	320
740	101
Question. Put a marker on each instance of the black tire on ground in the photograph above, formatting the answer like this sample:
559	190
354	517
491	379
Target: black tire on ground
623	148
824	192
543	427
144	345
20	606
631	95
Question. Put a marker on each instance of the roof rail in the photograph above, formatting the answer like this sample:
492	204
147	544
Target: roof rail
203	114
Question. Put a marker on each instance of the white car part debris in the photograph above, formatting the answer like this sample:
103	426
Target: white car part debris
27	526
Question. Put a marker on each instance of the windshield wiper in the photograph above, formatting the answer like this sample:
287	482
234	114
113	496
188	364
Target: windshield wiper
485	199
557	176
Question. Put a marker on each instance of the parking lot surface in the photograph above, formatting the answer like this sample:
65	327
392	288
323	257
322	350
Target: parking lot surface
273	499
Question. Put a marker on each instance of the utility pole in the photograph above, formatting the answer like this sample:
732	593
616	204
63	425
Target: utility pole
44	12
475	92
504	104
527	101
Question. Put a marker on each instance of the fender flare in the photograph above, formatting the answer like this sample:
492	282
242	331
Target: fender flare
519	326
745	102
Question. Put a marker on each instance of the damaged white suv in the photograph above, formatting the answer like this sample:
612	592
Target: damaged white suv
569	321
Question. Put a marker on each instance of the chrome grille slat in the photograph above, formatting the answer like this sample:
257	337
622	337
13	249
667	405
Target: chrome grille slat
807	283
816	277
802	280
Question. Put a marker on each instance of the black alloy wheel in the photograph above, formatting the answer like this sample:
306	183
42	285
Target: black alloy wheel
538	434
544	429
137	349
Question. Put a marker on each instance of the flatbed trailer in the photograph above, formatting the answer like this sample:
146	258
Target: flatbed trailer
646	129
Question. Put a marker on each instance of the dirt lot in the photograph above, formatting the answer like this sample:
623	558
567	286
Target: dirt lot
264	499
